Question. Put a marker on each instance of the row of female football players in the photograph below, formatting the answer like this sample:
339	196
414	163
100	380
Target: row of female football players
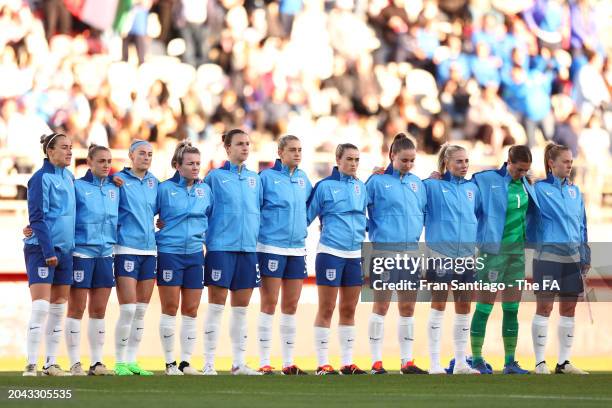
88	235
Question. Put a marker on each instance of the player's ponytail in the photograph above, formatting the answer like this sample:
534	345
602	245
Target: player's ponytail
49	141
446	152
401	142
179	152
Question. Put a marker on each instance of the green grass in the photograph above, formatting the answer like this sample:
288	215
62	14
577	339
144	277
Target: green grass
280	391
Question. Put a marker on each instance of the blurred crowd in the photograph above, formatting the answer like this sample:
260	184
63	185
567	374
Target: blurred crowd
490	73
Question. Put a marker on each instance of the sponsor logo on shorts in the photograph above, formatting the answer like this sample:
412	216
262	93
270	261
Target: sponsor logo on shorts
493	276
330	274
167	275
128	266
43	272
252	182
215	274
199	192
79	276
258	274
272	265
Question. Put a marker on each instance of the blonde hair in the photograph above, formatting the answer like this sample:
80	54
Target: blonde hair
551	152
179	152
446	152
342	147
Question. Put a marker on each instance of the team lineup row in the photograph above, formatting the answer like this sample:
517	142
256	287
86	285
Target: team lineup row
88	235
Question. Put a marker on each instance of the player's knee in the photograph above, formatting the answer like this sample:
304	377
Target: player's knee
346	312
97	312
170	309
290	309
326	310
406	309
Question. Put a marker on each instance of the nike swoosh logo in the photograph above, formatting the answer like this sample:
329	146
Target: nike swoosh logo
289	343
374	339
540	336
350	340
88	193
335	191
56	331
264	339
190	338
225	181
495	186
57	185
209	332
445	191
276	181
36	327
324	342
387	185
464	329
101	332
128	184
408	339
139	328
126	339
569	335
549	193
435	327
167	337
74	332
173	193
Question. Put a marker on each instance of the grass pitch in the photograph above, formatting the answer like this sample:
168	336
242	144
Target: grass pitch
311	391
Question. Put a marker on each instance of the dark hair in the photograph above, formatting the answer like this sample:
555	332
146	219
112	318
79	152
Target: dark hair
519	153
228	136
551	152
94	148
179	152
342	147
401	142
49	141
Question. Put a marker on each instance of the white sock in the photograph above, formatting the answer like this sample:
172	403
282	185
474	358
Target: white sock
238	335
73	340
136	332
321	335
566	337
122	330
461	337
405	334
264	334
167	329
188	337
376	334
287	335
38	316
54	331
346	334
434	331
211	332
96	332
539	335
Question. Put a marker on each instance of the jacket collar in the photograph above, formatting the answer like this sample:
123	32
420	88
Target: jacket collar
229	166
280	167
129	172
556	181
338	175
48	167
453	179
90	178
180	180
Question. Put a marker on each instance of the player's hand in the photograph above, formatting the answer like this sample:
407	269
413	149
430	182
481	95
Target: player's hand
584	269
378	170
435	175
118	181
27	231
160	223
51	261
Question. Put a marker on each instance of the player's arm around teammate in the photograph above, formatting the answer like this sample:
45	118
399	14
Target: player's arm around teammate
340	202
396	207
135	255
509	205
562	257
281	250
48	252
184	206
231	258
97	205
450	233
